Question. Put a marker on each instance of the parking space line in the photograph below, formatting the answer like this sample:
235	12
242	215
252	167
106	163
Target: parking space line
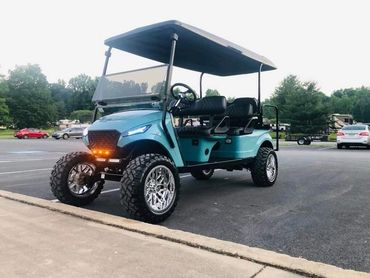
326	148
26	171
25	160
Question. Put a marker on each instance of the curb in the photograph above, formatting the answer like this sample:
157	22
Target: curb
257	255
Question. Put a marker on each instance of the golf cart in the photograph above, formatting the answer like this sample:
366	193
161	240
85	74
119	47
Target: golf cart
146	130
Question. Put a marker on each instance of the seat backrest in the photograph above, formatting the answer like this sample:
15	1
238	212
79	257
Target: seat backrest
241	110
213	105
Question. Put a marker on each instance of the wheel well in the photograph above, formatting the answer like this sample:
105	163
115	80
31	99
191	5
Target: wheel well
147	146
267	144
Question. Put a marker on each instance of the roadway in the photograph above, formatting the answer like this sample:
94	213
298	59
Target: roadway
319	208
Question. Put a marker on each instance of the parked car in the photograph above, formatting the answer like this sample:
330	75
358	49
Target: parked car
31	133
73	132
353	135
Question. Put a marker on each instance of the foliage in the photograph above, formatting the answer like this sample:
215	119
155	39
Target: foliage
29	99
301	104
230	99
212	92
83	88
83	116
5	118
355	101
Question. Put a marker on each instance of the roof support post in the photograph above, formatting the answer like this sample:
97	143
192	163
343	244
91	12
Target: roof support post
259	95
174	39
200	85
107	56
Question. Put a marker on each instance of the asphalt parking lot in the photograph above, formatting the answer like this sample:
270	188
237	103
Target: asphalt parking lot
319	208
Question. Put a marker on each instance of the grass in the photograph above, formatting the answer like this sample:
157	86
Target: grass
6	134
9	133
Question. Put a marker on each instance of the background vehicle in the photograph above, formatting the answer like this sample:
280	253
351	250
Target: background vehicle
353	135
135	140
73	132
26	133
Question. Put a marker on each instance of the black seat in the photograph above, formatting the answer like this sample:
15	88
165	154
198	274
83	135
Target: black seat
207	106
241	111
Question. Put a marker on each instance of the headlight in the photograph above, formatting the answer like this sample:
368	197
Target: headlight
137	130
85	132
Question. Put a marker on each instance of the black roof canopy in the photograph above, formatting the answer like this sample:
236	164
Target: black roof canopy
196	49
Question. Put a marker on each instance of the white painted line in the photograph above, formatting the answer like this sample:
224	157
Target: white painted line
25	160
326	148
109	190
26	171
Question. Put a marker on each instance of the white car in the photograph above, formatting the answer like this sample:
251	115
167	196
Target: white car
353	135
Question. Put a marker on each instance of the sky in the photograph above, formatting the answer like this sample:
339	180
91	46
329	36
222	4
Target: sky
323	41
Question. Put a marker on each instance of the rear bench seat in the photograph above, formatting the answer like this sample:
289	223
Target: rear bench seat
240	112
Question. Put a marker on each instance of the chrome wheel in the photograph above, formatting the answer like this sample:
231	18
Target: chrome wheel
271	168
159	190
79	179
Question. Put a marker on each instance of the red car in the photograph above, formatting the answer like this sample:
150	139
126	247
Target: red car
31	133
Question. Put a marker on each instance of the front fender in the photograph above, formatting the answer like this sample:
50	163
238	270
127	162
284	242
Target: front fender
156	133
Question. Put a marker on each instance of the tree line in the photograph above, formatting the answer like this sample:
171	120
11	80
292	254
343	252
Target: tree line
307	108
27	99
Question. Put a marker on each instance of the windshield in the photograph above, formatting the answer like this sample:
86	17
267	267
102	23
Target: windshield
354	127
137	86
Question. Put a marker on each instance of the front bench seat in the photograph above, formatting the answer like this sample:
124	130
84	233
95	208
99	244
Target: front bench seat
207	106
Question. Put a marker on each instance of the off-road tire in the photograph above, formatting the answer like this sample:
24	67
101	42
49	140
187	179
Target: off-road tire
65	136
201	175
258	169
133	183
59	178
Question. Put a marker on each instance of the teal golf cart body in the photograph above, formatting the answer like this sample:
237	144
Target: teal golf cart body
146	130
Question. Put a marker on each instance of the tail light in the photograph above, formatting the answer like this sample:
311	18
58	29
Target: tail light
340	133
364	133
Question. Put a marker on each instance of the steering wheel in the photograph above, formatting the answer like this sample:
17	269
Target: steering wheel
189	95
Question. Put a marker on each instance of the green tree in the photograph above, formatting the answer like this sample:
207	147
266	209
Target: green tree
301	104
230	99
61	96
82	89
353	101
5	118
361	107
212	92
84	116
29	97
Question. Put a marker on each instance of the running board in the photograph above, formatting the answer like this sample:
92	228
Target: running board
225	164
